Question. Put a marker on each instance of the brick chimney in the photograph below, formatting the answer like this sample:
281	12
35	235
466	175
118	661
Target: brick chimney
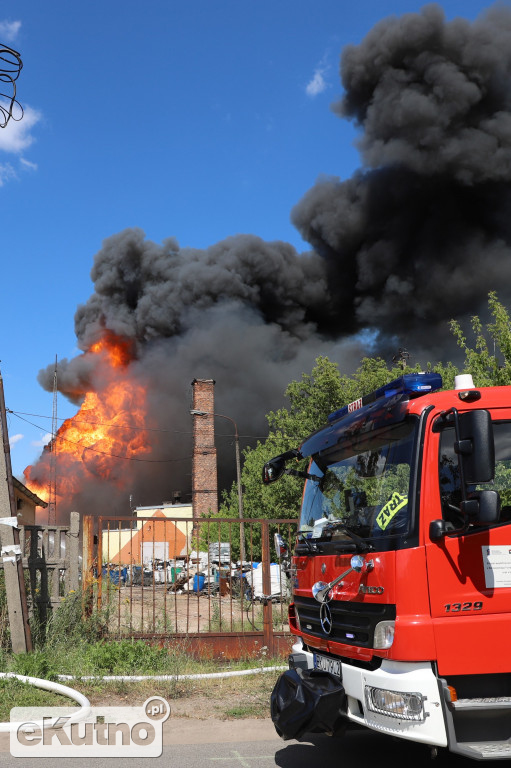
204	464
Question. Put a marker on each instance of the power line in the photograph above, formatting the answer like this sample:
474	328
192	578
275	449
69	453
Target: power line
98	423
125	426
104	453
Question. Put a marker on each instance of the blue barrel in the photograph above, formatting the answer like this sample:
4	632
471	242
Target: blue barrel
114	576
198	582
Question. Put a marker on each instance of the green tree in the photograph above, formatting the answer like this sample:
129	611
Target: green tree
488	368
311	399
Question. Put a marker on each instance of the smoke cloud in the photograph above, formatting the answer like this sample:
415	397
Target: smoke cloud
420	234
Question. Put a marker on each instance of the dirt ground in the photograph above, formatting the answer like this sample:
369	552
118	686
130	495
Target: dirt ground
225	699
154	609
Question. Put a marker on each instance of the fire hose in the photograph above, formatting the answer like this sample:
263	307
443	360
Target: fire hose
83	701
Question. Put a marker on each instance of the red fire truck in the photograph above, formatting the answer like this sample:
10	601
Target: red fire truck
401	570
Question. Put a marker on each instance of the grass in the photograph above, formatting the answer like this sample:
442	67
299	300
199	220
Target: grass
74	646
188	698
244	710
14	693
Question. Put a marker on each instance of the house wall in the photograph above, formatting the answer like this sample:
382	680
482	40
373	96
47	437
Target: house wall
121	546
25	509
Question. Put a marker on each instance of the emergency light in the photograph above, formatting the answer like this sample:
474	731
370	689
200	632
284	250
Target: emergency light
412	384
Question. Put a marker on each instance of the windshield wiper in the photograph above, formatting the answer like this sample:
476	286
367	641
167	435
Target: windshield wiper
361	544
310	547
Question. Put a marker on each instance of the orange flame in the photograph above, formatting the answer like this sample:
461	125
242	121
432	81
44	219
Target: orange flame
108	429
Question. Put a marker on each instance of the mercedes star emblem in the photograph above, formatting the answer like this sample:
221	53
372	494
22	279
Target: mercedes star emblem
325	617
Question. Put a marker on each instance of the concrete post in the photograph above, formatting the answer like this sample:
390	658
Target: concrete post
21	639
73	550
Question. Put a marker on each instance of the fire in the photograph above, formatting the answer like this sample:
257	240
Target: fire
108	430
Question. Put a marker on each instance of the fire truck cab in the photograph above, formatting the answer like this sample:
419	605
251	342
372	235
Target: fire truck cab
401	570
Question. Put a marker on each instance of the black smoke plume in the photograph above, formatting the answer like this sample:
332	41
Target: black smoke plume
420	234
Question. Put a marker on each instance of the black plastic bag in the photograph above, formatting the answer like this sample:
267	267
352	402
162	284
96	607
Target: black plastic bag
307	701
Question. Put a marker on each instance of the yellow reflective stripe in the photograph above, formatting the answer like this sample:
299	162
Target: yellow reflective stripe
390	509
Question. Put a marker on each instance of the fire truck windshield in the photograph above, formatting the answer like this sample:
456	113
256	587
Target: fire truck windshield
364	482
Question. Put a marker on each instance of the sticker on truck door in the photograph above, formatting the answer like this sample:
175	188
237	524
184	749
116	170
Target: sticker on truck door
391	509
497	565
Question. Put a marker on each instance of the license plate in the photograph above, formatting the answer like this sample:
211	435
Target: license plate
327	665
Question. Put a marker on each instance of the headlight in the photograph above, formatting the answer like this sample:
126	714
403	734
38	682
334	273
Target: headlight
404	706
384	634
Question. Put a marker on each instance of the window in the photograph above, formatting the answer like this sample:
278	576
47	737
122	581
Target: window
449	478
363	483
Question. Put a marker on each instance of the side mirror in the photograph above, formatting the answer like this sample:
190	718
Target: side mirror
280	545
476	446
482	508
489	507
275	468
439	528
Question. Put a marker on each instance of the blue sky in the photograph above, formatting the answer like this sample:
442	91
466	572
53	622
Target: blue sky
197	120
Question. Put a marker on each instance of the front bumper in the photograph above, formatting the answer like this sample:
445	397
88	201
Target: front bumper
402	677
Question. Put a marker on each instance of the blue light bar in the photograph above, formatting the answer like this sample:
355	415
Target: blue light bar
411	384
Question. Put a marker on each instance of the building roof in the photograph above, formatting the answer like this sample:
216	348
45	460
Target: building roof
28	493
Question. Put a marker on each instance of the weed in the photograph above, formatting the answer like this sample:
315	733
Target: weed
124	657
15	693
68	624
39	663
253	709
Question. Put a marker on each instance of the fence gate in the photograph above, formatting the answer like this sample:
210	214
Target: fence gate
180	579
50	557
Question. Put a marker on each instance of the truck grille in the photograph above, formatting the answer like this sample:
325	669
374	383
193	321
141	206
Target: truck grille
352	623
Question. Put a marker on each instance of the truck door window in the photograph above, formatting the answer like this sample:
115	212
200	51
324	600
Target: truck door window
449	479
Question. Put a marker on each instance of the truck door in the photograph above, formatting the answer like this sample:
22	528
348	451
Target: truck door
469	573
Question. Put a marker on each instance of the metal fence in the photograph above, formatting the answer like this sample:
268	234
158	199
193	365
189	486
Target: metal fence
179	578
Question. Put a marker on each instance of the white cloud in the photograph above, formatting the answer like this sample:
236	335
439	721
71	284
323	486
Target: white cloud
45	439
317	84
13	439
9	30
28	165
7	172
17	136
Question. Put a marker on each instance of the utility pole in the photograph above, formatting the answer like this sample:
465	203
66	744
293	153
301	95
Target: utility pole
52	486
21	639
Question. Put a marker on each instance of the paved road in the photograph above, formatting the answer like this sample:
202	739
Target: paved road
254	744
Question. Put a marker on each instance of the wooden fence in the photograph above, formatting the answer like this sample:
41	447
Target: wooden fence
50	557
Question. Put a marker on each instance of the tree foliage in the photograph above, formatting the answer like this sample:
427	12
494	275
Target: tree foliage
488	368
313	397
